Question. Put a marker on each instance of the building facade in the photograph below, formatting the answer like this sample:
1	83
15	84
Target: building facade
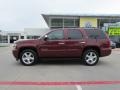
77	21
34	33
7	37
103	22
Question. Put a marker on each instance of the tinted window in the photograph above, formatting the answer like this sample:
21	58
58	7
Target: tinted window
74	34
93	34
102	35
56	35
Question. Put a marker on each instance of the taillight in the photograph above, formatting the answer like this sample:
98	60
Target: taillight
106	44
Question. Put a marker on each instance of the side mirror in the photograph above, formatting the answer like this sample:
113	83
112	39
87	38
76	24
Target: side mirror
46	38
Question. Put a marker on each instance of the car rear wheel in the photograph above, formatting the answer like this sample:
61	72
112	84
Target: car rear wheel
28	57
90	57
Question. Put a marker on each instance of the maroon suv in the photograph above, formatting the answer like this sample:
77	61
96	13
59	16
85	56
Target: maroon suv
86	44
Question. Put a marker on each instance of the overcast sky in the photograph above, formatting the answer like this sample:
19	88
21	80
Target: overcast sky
20	14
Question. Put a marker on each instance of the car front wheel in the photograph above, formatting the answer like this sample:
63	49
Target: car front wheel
90	57
28	57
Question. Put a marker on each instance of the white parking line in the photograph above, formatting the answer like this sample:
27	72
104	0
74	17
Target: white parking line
79	87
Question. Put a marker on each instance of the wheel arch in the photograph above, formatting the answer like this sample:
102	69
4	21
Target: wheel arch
96	48
25	48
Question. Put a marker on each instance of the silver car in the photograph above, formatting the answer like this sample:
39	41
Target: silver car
113	44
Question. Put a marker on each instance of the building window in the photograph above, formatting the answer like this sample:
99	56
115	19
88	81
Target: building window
77	22
69	23
3	39
32	37
64	23
22	37
56	22
29	37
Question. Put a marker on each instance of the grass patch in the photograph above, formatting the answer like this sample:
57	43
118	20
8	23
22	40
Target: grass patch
3	46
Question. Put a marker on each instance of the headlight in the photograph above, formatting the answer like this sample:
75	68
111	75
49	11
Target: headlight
14	45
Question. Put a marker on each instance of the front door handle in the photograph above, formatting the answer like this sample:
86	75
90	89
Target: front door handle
82	42
61	43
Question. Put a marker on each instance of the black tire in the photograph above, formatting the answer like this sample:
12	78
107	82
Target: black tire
88	60
32	58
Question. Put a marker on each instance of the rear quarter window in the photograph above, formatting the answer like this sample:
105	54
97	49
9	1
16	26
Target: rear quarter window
96	34
102	35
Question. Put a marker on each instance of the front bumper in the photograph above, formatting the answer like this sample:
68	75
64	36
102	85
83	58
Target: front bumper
15	53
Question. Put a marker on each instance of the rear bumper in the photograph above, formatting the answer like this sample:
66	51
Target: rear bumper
15	53
106	52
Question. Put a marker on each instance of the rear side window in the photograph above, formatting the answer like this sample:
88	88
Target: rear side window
93	34
74	34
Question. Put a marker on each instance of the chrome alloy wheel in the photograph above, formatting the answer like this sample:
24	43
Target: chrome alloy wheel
91	58
28	58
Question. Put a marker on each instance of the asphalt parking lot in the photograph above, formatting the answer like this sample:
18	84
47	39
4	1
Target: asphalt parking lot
59	74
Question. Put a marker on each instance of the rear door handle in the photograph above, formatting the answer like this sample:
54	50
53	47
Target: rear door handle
61	43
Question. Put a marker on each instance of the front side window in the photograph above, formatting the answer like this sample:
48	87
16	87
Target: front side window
56	35
74	34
